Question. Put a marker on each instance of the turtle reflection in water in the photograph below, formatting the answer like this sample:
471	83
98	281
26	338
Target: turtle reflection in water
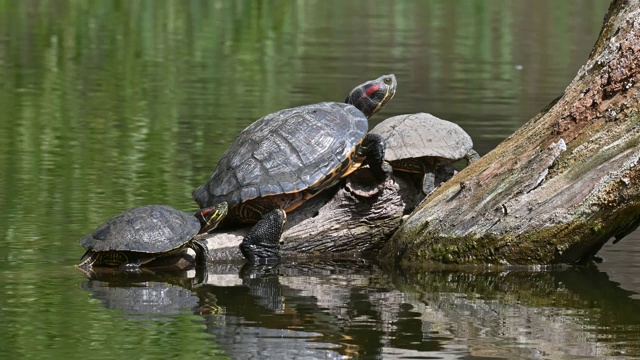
426	145
149	236
289	156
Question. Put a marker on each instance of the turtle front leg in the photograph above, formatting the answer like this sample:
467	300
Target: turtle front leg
262	243
471	157
429	178
373	148
87	260
202	253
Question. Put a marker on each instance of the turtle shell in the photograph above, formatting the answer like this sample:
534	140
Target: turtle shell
422	135
286	152
146	229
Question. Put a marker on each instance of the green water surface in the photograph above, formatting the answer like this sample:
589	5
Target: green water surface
106	105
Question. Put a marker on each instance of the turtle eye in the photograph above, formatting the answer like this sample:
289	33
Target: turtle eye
387	80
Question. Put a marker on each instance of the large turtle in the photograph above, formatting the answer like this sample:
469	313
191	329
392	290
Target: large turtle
287	157
424	144
142	235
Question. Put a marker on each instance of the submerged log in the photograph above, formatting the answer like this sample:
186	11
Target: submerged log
557	189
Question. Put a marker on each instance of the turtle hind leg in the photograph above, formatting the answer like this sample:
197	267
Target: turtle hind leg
373	148
262	243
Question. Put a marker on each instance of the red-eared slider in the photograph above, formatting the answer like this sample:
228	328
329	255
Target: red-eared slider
287	157
142	235
426	145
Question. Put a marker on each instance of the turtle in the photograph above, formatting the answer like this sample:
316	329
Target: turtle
289	156
424	144
144	234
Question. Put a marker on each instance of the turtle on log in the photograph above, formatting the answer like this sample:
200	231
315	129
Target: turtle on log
148	236
287	157
426	145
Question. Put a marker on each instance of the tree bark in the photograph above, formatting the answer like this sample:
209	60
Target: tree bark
558	188
352	221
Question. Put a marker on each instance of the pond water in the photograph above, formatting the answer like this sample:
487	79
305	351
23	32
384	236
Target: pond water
108	105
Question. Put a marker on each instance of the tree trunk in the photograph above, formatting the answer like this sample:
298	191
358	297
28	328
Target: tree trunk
557	189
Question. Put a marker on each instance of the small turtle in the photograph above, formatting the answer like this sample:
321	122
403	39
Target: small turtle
141	235
426	145
289	156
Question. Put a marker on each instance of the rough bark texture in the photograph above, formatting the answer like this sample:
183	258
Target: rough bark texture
354	220
557	189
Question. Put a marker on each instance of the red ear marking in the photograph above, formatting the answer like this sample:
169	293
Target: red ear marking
371	90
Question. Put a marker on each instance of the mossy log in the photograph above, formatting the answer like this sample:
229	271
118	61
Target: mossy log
560	187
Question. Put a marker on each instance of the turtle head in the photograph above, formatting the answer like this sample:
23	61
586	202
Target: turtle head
373	95
211	217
